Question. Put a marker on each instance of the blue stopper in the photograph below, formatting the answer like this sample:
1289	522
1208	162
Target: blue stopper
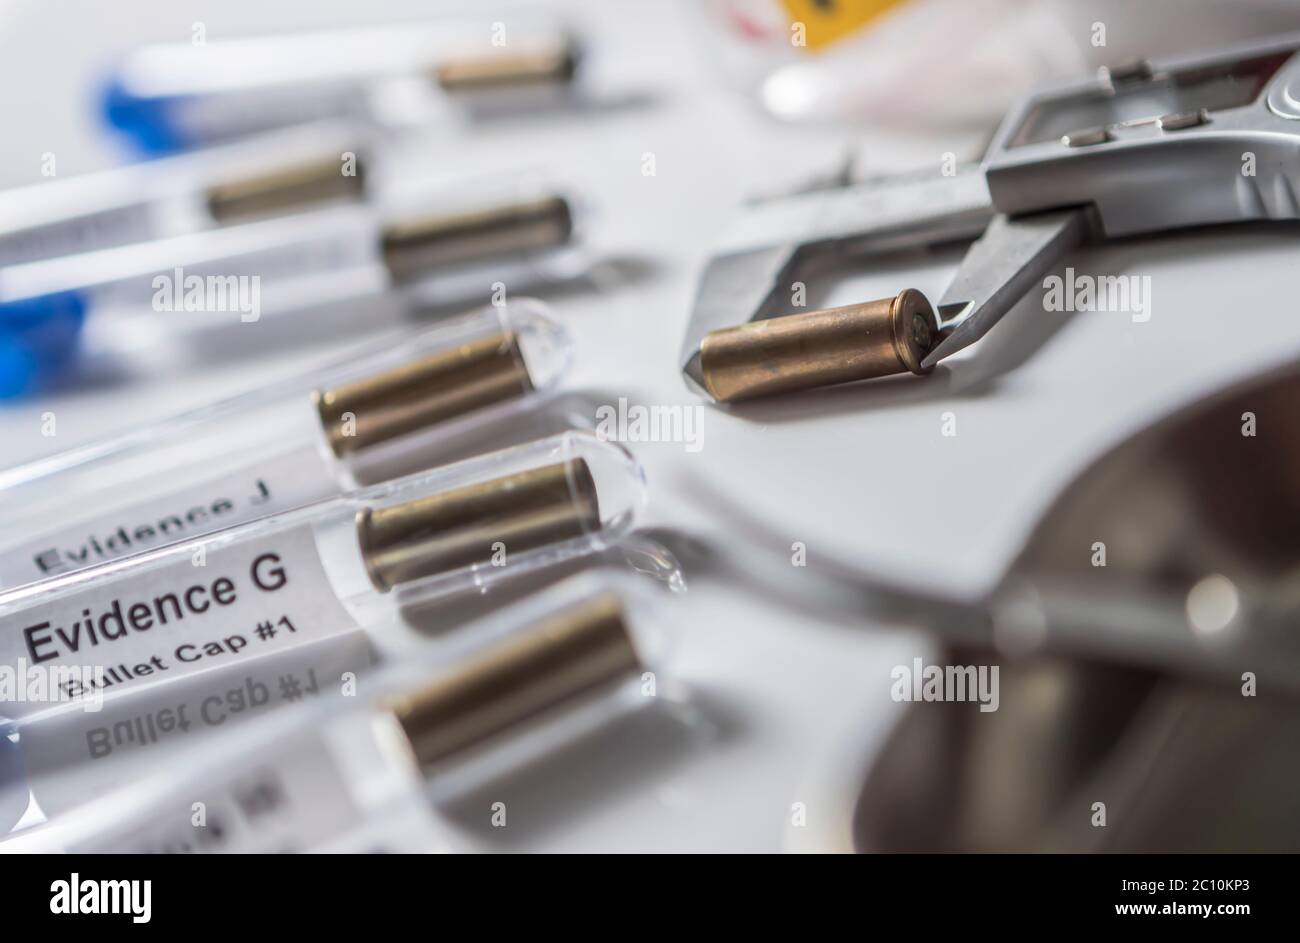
148	121
38	339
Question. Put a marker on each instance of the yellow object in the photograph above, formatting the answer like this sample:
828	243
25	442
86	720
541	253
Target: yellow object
829	21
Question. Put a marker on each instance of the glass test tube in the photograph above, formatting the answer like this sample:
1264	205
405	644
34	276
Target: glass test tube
511	231
381	414
364	560
277	173
168	97
364	774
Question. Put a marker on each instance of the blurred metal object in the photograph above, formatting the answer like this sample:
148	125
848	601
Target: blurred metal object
1198	518
467	525
412	248
1164	683
537	64
1208	497
1180	767
285	188
434	389
571	654
819	348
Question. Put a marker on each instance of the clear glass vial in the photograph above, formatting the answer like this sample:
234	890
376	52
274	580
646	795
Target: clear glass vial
371	559
381	414
362	774
277	173
515	231
173	96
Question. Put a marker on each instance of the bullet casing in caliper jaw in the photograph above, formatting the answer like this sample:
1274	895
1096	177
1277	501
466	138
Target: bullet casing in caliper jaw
775	245
819	348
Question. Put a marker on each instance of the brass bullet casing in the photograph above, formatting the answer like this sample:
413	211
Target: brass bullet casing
819	348
434	389
285	188
548	64
574	652
457	528
415	247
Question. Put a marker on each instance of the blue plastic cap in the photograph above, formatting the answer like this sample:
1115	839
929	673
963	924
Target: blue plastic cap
148	121
39	338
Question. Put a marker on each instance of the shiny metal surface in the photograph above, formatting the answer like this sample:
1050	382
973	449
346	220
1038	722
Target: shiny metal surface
468	525
1179	767
998	270
533	65
1180	714
434	389
285	189
570	654
819	348
416	247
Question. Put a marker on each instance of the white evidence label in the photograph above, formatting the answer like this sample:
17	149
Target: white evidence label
288	480
179	618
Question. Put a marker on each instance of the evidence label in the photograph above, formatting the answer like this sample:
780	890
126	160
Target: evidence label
289	480
247	598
